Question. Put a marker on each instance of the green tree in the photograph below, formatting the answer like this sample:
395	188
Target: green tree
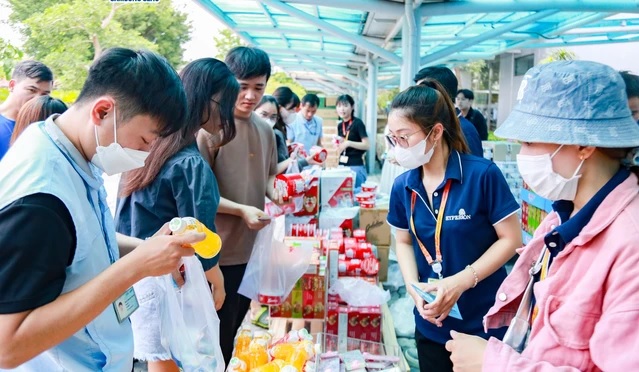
9	56
160	24
279	79
68	35
226	41
560	54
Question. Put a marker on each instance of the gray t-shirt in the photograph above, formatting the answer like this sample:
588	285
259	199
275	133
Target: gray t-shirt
243	167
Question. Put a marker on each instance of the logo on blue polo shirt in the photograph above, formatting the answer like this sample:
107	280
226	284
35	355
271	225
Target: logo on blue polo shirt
461	216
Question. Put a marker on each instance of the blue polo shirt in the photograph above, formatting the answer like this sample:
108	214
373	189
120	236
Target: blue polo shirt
472	137
306	132
6	130
479	198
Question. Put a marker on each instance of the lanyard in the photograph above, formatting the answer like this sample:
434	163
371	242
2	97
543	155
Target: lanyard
314	131
437	263
350	125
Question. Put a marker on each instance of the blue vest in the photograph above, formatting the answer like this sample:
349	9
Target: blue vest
40	162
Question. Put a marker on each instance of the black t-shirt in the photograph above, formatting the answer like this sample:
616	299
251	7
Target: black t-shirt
479	122
37	244
356	131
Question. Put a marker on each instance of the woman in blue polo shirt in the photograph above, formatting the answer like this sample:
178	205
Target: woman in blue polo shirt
455	217
178	182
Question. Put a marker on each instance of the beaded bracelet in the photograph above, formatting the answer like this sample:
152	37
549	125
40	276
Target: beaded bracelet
474	274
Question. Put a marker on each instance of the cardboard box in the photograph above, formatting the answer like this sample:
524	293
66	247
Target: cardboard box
373	220
382	256
332	318
343	218
310	200
297	303
336	188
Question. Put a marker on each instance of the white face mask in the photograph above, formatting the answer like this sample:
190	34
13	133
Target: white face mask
537	172
288	116
114	159
414	156
271	122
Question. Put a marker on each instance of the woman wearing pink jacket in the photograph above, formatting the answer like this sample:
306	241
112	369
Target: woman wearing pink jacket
572	299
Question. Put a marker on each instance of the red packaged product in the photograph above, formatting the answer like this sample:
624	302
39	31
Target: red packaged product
359	235
319	154
354	329
375	324
290	185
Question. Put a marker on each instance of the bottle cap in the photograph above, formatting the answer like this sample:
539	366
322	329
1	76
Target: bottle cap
177	225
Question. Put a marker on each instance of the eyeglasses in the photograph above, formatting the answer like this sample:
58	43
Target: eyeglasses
401	141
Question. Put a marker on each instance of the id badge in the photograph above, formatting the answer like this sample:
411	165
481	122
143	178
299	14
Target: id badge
343	159
126	305
432	280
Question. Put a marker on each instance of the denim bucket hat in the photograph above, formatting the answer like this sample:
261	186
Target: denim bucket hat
572	103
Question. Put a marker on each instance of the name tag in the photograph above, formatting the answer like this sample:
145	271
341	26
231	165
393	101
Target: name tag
432	280
343	159
126	305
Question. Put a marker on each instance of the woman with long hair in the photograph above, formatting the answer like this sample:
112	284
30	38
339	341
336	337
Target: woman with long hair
456	221
354	142
36	109
572	299
178	182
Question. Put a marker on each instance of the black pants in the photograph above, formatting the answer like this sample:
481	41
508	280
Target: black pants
234	309
433	357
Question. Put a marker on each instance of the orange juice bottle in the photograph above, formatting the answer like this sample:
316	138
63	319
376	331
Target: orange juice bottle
302	353
257	354
207	248
237	365
269	367
242	343
263	335
283	351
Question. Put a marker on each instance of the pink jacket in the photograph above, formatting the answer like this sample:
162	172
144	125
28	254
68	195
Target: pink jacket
588	305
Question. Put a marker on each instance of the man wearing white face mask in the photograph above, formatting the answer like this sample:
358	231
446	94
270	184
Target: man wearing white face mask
572	297
62	275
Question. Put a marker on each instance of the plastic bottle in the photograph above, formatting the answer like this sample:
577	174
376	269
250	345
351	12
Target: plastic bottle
237	365
257	354
263	335
269	367
283	351
242	343
207	248
301	354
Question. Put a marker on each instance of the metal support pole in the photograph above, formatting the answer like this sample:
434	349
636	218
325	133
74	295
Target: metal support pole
361	96
371	112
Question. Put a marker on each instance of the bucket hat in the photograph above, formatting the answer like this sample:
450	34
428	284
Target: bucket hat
572	103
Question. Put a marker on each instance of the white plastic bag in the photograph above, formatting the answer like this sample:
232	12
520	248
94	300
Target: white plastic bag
358	292
273	268
190	326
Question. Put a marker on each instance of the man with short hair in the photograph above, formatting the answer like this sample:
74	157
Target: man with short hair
28	79
245	169
307	127
464	101
632	91
62	276
448	80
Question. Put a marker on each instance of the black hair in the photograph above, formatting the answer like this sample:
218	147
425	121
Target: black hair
286	98
428	104
296	101
279	123
443	75
248	63
345	98
468	94
211	89
632	83
142	83
31	69
311	99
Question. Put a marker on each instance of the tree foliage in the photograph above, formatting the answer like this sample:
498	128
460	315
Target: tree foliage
9	56
68	35
226	41
279	79
560	54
